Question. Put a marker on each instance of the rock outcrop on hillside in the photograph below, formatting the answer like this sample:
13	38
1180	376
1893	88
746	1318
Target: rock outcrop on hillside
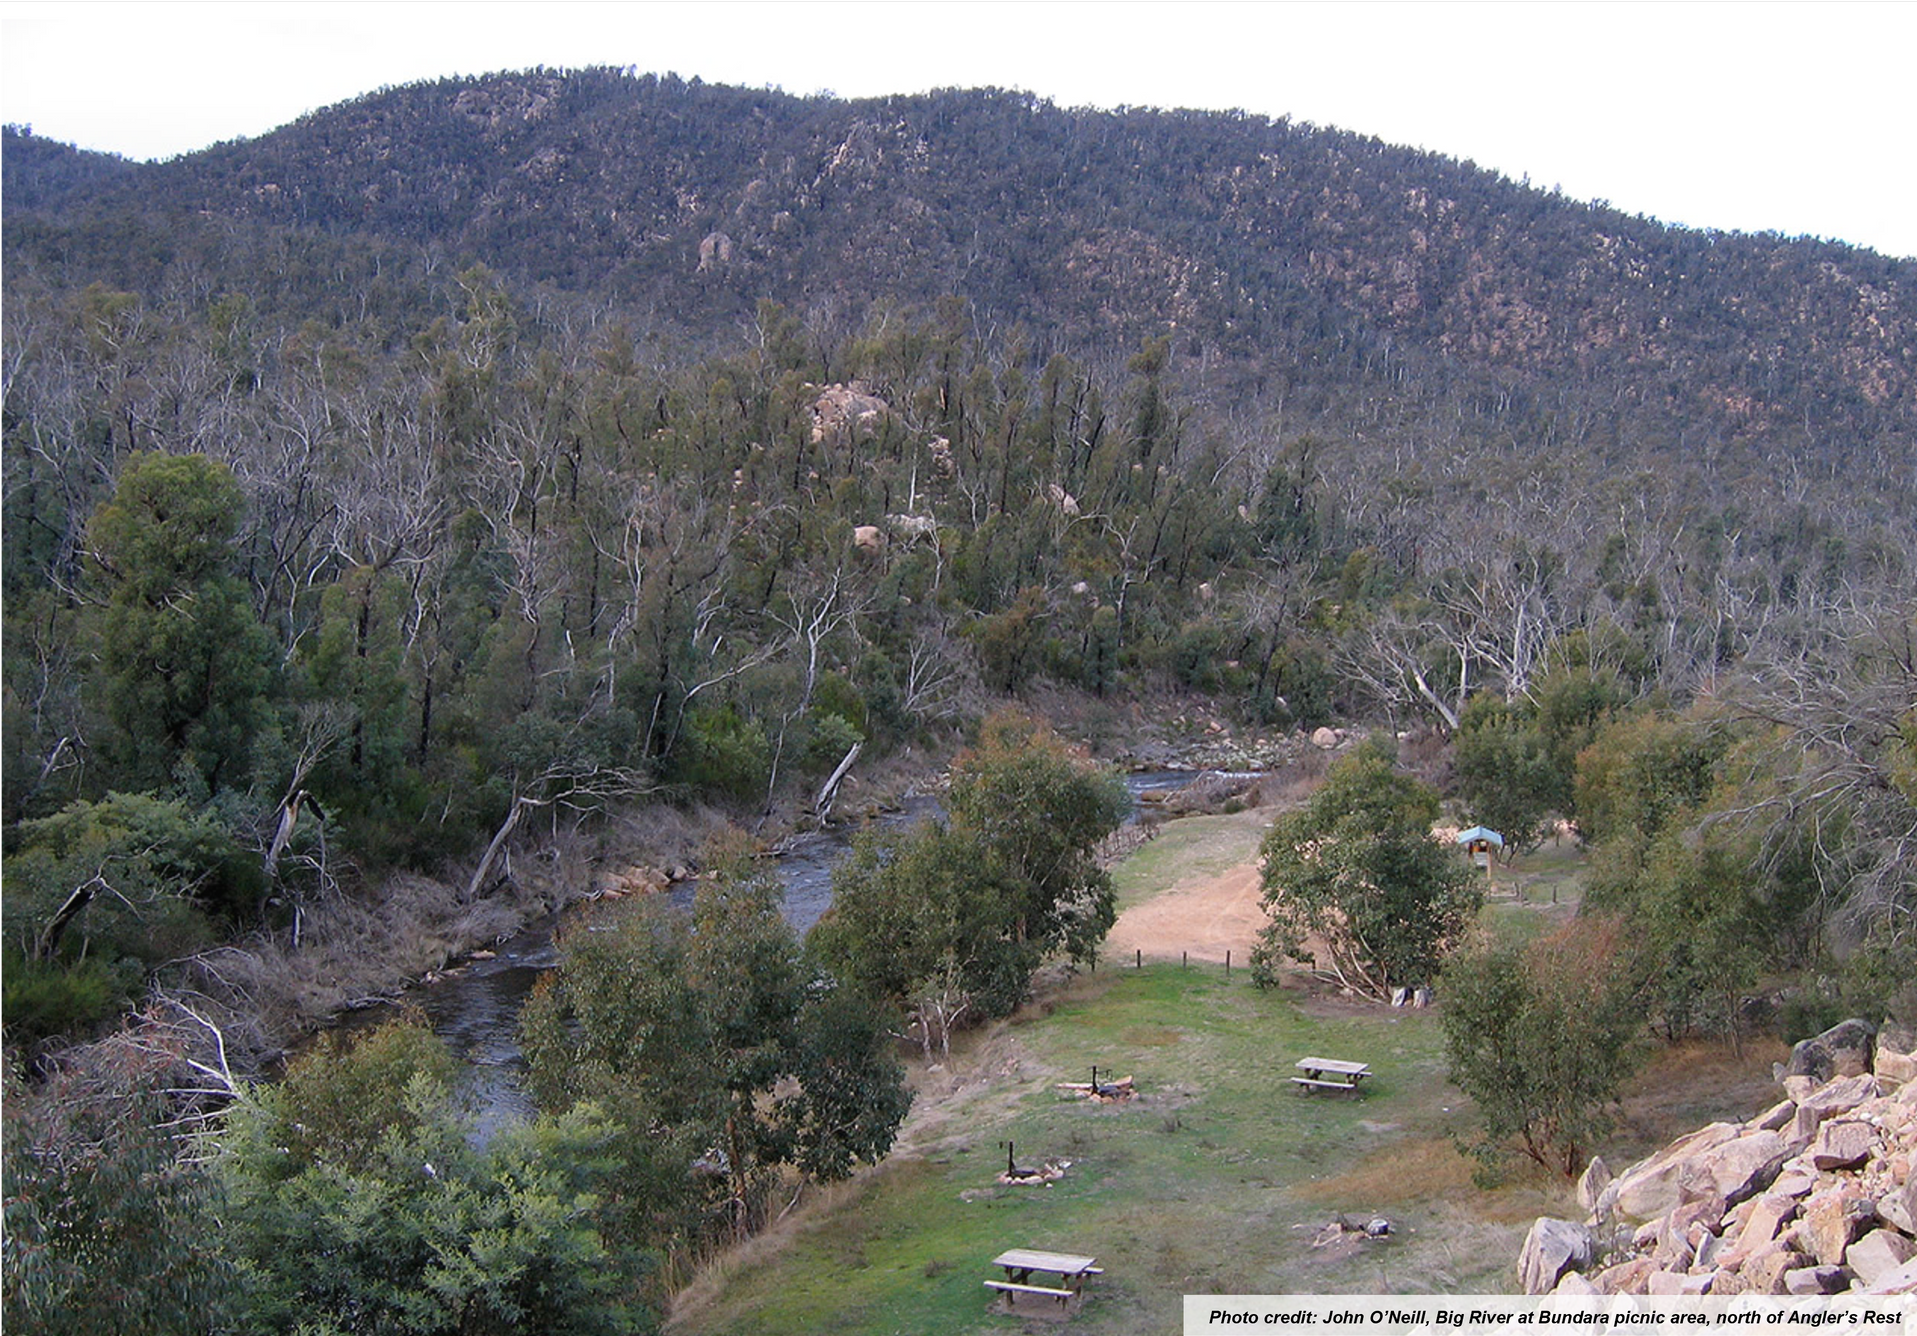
1815	1195
843	412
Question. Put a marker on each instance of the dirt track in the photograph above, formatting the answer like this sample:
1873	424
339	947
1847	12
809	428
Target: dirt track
1205	916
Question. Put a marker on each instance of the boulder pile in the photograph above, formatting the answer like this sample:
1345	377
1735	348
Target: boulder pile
1815	1195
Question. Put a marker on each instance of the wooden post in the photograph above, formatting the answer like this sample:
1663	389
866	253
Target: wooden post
1184	960
1138	959
1227	962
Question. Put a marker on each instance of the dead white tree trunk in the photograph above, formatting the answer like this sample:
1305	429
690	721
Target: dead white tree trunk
504	833
831	786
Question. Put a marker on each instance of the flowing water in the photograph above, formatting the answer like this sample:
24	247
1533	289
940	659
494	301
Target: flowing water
475	1009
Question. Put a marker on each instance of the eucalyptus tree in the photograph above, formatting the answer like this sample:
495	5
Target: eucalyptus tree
1831	780
949	922
1358	889
736	1064
355	1198
1542	1037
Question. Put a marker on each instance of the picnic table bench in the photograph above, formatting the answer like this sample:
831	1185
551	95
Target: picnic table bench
1020	1263
1329	1074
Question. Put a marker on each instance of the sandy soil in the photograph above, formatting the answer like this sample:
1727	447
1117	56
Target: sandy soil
1205	916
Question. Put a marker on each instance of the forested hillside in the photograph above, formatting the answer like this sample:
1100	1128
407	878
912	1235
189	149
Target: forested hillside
1279	254
554	439
547	441
443	479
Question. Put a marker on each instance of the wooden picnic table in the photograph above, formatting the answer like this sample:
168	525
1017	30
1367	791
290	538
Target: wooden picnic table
1330	1074
1020	1263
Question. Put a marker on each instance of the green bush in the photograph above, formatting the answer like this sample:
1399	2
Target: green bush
107	1229
44	999
1810	1011
1299	688
148	849
1879	980
1011	644
1643	773
724	754
828	738
836	694
358	1201
881	699
1542	1038
1198	656
125	883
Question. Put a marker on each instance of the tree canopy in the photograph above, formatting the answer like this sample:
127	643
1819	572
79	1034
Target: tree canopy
356	1199
729	1059
950	920
1542	1038
1357	887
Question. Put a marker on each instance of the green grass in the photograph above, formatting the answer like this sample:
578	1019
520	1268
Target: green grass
1551	874
1536	891
1218	1178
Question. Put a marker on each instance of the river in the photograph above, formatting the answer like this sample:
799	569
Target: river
475	1008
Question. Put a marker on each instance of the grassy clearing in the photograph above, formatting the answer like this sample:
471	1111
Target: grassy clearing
1684	1086
1197	846
1218	1178
1535	892
1551	874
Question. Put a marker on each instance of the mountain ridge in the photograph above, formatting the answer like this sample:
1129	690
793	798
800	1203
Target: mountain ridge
1258	244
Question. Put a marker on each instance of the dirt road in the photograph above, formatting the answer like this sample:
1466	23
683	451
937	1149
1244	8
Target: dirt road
1205	916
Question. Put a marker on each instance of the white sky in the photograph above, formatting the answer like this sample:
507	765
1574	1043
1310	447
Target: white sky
1789	117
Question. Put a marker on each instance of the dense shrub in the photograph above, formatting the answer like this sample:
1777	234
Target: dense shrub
1357	887
1542	1038
358	1202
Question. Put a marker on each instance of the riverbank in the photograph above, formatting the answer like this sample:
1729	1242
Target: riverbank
1216	1177
374	947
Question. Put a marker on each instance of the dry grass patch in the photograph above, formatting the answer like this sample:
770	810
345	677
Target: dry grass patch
712	1278
1398	1175
1686	1085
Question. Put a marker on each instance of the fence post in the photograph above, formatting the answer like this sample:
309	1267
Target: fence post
1227	962
1138	960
